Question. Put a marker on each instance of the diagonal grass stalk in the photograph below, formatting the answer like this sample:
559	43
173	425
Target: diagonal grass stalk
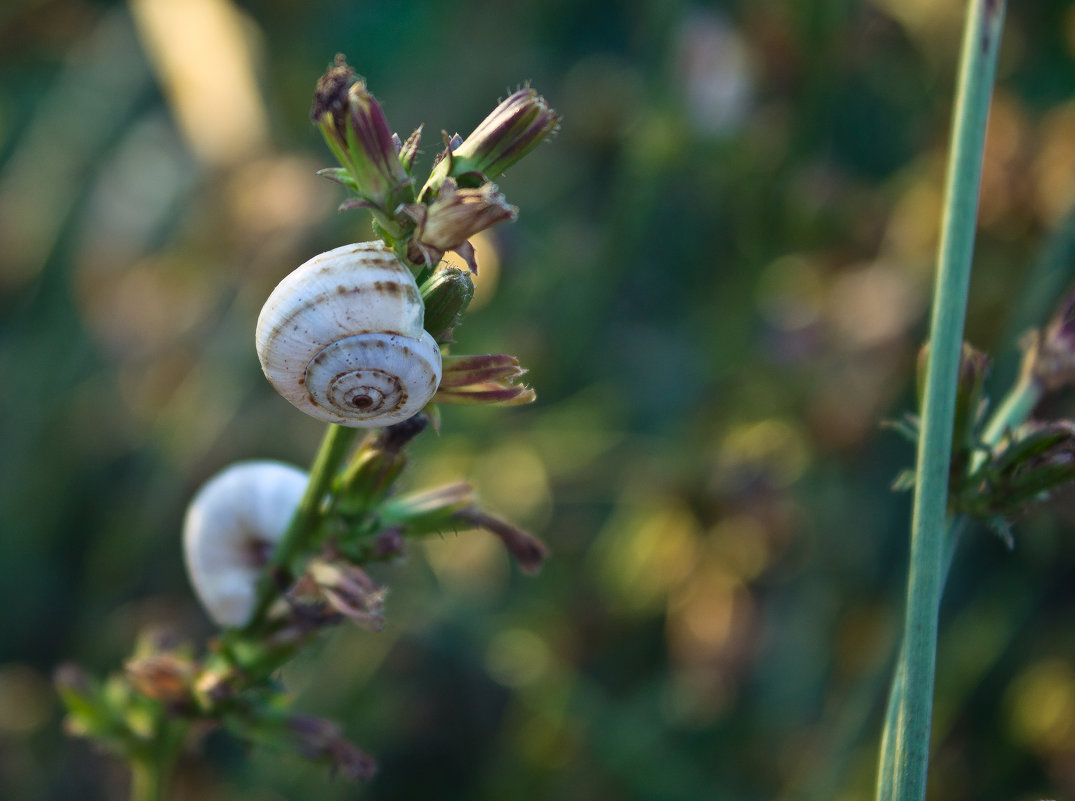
907	732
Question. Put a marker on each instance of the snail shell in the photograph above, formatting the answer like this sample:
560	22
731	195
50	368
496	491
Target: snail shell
230	529
341	338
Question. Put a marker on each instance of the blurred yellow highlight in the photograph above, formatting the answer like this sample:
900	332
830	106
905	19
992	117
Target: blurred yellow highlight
513	480
647	551
517	657
1042	702
202	54
471	564
774	448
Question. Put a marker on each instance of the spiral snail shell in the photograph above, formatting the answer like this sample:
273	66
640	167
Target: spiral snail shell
341	338
230	529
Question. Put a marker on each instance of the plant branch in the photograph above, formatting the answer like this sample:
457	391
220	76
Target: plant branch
333	450
909	732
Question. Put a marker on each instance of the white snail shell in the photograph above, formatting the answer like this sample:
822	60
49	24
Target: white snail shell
229	531
341	338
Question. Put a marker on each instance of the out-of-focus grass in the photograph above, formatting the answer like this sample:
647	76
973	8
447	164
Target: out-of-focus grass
718	280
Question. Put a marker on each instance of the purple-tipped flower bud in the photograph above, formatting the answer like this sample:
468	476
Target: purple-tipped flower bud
488	378
446	295
355	128
455	216
512	130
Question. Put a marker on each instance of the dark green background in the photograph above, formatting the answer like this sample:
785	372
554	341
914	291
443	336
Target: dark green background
719	280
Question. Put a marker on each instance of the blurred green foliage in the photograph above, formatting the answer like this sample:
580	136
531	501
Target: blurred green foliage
718	280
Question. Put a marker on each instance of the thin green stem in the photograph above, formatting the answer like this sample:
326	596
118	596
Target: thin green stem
331	454
1012	412
149	778
909	731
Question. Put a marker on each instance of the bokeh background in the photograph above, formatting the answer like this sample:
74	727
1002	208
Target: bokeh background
718	280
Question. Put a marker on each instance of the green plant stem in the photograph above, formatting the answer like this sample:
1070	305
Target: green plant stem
1012	412
909	732
148	779
333	450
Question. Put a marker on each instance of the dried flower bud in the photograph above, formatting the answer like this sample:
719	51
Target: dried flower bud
321	741
350	591
455	216
512	129
446	294
164	677
527	550
485	379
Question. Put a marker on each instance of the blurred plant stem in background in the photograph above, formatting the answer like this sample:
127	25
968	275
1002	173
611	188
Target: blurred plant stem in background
905	742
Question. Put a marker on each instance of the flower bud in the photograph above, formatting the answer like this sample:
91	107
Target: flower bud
409	150
512	129
528	551
973	368
356	130
321	741
446	294
350	591
162	676
485	379
1050	357
1037	459
428	511
455	216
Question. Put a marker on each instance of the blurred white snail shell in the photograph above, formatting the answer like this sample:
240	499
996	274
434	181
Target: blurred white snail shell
230	529
341	338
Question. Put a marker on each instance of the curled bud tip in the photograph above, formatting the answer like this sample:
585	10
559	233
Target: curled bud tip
528	551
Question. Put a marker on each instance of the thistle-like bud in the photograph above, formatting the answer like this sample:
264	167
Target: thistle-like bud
446	294
450	220
512	129
357	132
488	378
